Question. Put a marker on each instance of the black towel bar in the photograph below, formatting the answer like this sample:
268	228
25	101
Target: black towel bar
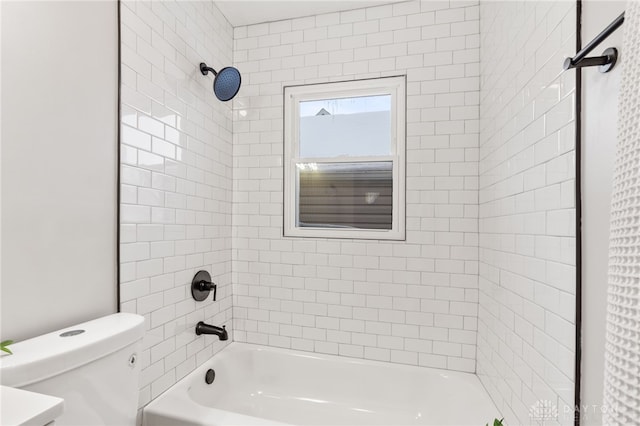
609	57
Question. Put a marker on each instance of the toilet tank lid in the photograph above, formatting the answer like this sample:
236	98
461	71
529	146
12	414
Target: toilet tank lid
54	353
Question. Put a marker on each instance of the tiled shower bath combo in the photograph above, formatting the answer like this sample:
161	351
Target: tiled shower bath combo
366	213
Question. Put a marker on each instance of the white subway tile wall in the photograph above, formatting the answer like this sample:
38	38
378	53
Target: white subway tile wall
490	247
412	302
527	217
176	182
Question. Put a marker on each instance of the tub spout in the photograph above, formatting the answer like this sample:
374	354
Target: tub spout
202	328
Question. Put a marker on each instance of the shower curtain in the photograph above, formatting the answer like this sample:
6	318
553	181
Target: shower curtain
622	351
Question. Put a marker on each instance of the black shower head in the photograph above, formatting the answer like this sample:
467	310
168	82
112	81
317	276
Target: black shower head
226	83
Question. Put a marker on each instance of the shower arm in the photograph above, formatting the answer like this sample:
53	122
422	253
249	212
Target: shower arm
204	69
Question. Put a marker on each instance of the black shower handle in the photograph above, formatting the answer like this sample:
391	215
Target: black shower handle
201	286
208	286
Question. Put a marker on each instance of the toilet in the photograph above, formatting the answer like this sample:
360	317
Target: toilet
94	366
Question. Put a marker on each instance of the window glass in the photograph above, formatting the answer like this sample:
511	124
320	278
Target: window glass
345	195
351	127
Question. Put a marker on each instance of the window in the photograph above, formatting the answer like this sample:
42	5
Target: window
344	159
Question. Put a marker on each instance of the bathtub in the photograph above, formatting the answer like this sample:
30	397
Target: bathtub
258	385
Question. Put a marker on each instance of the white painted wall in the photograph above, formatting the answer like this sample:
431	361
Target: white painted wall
59	123
599	137
526	326
176	182
413	301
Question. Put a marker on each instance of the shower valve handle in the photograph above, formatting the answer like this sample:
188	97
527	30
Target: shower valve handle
208	286
201	286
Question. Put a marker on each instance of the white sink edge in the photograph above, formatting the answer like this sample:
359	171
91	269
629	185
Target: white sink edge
25	408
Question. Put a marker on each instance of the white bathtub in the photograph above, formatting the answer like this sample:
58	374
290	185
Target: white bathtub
258	385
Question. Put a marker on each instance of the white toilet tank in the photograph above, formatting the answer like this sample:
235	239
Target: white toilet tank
93	366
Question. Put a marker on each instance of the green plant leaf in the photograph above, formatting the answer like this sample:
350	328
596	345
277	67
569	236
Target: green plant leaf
497	422
4	344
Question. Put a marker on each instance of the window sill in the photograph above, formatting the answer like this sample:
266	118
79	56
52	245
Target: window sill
350	233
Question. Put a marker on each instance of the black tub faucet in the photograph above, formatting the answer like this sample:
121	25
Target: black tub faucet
202	328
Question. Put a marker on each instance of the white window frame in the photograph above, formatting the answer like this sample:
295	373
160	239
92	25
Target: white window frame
293	95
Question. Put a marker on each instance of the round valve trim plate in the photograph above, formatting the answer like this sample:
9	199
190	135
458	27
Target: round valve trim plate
198	294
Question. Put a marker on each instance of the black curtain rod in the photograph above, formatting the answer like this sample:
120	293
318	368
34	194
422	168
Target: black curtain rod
609	57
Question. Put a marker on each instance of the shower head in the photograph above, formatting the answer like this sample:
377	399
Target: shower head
226	83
